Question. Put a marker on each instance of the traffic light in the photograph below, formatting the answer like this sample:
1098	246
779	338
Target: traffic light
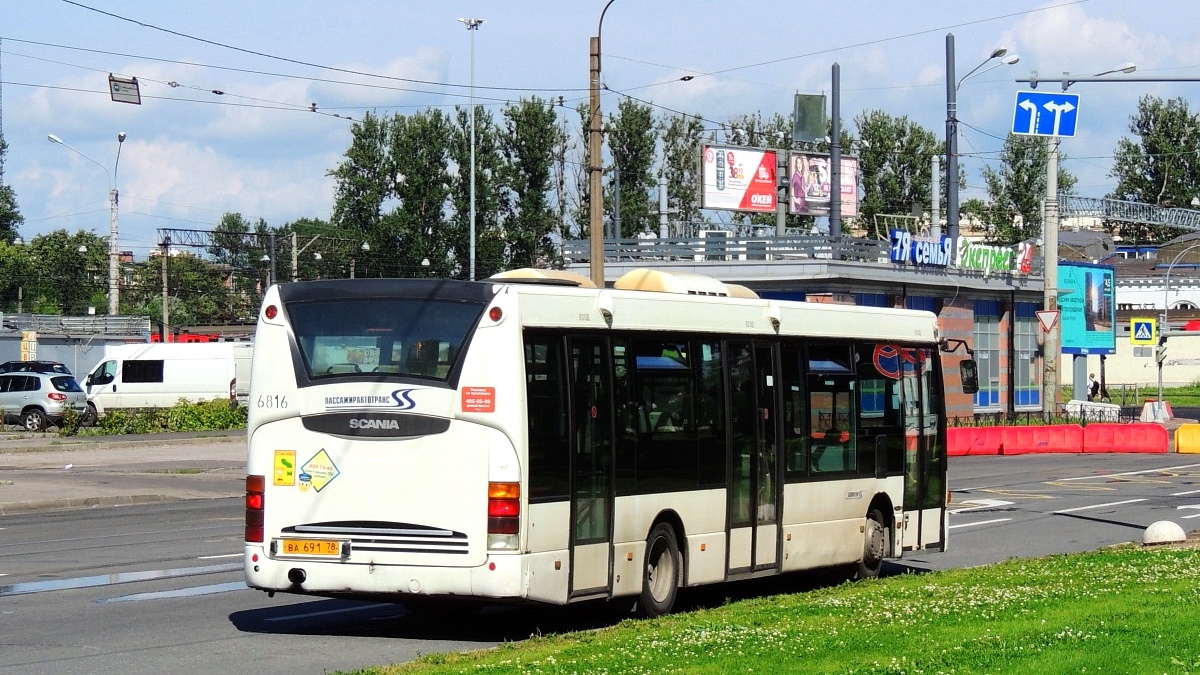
1160	352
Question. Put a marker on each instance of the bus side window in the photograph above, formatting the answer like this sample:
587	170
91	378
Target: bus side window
832	408
796	440
546	399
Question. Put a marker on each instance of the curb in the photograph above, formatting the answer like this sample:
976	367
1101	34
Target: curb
68	443
11	508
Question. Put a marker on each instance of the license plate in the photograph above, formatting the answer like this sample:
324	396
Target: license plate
317	547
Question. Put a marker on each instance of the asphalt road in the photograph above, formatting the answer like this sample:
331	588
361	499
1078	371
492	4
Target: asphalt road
157	587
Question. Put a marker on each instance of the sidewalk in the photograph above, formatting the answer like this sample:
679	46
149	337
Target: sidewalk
46	471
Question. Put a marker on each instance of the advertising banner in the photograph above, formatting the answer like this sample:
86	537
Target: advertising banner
1085	299
737	179
809	185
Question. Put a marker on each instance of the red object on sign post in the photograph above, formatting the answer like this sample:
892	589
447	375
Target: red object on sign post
479	399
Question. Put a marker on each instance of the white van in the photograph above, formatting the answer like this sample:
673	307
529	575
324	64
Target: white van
157	375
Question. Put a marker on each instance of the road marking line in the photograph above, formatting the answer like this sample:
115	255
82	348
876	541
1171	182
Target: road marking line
982	522
225	555
1132	473
1186	492
982	504
1097	506
1194	515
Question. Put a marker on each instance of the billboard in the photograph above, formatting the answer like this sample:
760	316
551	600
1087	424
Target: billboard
1088	313
738	179
809	184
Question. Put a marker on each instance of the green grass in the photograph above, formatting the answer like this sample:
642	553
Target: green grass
1186	397
1118	610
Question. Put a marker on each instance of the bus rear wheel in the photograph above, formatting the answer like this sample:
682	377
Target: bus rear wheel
877	542
660	580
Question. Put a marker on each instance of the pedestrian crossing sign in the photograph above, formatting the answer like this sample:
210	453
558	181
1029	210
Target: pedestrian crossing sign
1143	331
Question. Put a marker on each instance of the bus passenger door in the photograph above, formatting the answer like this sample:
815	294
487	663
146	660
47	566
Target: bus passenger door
753	525
924	453
591	467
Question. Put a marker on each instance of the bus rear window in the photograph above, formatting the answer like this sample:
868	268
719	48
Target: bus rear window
418	338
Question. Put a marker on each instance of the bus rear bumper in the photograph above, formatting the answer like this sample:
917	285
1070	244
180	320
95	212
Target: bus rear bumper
499	577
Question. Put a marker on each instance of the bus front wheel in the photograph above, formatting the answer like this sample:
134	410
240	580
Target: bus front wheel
660	581
877	540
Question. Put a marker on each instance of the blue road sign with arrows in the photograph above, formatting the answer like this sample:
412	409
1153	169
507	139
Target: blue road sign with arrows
1045	114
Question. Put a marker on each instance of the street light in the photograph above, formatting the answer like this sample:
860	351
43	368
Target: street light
952	86
1164	329
595	162
114	256
472	26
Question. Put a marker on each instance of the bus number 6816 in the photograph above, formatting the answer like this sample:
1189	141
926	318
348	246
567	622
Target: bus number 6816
270	401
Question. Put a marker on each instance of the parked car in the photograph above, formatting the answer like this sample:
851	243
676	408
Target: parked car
34	367
38	400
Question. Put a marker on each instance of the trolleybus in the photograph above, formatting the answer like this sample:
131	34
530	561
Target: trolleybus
541	440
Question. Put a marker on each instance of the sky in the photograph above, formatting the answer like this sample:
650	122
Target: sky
225	123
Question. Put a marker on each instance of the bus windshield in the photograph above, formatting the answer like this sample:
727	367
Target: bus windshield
411	337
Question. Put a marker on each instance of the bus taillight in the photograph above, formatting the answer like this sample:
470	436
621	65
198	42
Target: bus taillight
255	500
504	515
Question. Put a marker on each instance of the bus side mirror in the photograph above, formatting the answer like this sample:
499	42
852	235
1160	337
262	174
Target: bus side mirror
969	372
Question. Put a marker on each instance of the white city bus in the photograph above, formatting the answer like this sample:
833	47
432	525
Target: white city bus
541	440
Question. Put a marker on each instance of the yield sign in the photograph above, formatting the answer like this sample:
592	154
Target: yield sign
1047	318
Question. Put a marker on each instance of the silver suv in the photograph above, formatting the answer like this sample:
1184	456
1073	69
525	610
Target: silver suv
37	400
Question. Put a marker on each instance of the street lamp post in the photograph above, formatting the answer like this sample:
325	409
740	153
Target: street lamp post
114	255
595	162
952	86
472	26
166	296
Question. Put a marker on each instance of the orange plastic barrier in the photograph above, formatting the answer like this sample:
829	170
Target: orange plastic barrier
1057	438
1137	437
1187	439
962	441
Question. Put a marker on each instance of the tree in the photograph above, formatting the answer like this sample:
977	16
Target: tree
365	178
10	215
528	144
581	208
16	273
752	131
682	137
415	231
70	273
1161	166
895	164
1017	189
632	140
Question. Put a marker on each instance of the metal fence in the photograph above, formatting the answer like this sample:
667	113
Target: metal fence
1064	415
724	246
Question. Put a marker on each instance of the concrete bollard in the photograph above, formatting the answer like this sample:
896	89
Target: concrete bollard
1163	532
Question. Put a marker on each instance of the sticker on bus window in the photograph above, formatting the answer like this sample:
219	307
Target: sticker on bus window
479	399
285	467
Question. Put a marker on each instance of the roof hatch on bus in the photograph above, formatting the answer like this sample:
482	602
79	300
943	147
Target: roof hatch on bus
533	275
683	283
